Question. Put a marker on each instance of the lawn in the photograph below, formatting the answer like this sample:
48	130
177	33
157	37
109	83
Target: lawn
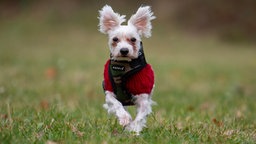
50	86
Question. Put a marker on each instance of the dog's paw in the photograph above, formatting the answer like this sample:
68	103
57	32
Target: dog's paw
125	120
134	127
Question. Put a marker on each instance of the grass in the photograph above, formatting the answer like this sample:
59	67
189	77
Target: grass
50	87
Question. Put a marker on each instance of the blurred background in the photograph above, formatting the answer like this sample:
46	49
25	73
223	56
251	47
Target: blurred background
52	55
52	49
230	20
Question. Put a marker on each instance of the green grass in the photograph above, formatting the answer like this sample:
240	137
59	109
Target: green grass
50	87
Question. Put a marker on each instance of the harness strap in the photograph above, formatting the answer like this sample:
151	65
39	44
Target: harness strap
119	73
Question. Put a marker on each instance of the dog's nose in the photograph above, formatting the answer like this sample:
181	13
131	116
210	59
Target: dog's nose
124	51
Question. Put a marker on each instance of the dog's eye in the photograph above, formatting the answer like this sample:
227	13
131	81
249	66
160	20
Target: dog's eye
133	39
115	39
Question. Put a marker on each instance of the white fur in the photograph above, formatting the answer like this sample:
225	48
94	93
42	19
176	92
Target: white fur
138	25
141	20
113	106
109	20
143	103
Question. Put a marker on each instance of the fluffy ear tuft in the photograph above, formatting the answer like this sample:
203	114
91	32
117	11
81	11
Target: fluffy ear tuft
142	20
109	19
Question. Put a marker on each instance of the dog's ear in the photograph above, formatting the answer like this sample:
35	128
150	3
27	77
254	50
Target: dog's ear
142	21
109	20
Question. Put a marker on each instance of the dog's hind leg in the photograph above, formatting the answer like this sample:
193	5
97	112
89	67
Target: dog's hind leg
113	106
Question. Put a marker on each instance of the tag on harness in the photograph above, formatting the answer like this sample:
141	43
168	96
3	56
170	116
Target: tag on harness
118	68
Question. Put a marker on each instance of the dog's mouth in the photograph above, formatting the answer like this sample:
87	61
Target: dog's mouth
122	58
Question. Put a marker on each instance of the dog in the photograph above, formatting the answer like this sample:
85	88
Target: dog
128	78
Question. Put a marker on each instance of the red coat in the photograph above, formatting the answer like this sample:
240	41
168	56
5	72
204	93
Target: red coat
140	82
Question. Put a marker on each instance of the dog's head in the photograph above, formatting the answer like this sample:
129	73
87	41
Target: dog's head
124	40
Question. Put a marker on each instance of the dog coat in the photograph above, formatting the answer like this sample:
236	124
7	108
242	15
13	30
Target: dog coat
128	78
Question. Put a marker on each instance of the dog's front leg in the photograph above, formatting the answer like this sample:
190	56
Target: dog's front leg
143	103
113	106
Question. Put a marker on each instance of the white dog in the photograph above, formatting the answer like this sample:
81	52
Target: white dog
128	79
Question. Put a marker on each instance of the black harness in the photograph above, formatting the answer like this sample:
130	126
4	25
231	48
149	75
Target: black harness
120	71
